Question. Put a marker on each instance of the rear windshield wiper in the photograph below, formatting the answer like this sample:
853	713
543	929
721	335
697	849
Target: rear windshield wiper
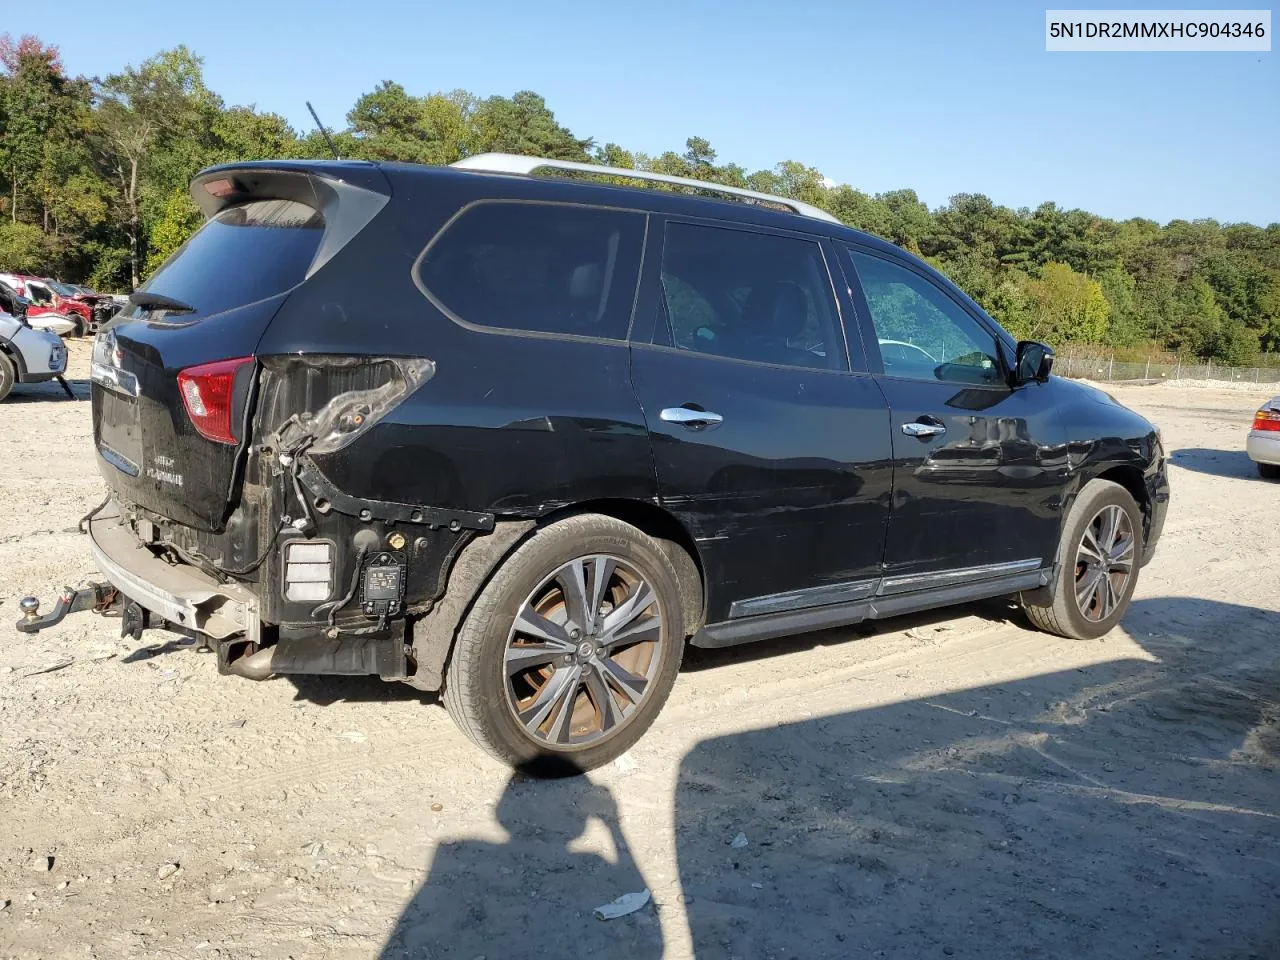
158	301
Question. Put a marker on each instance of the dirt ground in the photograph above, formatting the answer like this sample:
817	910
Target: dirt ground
954	785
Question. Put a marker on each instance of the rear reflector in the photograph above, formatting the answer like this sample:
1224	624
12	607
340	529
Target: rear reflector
208	393
1267	420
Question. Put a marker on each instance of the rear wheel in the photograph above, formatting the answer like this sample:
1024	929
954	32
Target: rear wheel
1098	561
8	375
571	649
1269	471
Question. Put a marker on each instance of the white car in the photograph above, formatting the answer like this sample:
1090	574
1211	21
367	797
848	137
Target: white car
1264	440
28	355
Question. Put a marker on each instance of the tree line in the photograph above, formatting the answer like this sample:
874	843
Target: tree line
94	174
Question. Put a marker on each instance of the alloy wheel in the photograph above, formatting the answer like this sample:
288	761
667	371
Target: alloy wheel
1104	562
583	651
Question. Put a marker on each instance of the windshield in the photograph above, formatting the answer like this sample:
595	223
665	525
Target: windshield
61	289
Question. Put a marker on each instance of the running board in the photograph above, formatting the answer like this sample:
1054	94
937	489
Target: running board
728	633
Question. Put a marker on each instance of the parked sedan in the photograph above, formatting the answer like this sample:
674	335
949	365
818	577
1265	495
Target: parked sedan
1264	440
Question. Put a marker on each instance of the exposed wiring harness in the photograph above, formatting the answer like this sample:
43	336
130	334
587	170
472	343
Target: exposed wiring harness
290	461
333	606
83	525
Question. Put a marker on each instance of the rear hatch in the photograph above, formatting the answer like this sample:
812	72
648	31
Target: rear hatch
174	374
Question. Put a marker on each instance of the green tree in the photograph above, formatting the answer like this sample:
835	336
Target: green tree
179	218
154	127
1066	306
523	124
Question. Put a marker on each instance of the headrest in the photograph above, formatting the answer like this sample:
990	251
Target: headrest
585	281
776	309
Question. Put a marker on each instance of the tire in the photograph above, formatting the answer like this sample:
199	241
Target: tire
8	375
486	685
1269	471
1105	604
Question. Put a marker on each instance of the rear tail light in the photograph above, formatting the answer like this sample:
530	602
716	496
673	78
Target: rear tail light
1267	420
208	393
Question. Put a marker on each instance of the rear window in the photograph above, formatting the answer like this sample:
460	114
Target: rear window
241	255
550	268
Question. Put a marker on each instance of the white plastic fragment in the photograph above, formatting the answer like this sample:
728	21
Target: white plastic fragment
739	841
625	904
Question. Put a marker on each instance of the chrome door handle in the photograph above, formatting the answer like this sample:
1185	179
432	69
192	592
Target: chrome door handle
918	429
690	418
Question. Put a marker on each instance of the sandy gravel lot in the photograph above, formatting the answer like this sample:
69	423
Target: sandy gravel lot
954	785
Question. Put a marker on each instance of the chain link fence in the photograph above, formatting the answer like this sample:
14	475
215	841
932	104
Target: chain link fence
1109	368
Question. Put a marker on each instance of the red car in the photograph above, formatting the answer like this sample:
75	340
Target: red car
53	306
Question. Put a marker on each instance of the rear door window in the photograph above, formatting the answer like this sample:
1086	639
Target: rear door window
750	296
537	267
243	254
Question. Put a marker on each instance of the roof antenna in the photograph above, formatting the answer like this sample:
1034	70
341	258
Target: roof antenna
325	133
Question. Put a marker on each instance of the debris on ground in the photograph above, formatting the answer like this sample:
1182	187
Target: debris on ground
625	904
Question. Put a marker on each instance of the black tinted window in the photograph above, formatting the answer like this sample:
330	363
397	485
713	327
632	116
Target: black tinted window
750	296
923	333
243	254
553	268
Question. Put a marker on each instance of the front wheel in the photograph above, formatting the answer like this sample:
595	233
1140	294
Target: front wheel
1098	561
8	375
571	649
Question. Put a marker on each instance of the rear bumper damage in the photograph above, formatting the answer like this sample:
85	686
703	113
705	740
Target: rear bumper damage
147	590
181	594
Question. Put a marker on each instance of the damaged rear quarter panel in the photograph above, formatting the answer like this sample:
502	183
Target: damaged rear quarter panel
515	425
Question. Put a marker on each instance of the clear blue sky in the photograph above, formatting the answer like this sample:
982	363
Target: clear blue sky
943	97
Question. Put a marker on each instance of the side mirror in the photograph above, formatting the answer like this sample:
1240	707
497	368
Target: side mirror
1034	362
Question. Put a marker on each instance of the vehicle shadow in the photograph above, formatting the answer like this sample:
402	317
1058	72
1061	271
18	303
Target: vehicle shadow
325	690
1128	809
531	894
1216	463
997	610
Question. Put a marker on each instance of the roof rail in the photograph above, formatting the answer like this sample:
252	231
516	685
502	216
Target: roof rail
514	163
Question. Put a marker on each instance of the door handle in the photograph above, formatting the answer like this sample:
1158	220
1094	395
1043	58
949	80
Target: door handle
918	429
690	418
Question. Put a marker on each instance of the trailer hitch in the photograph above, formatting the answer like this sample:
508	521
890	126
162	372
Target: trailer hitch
98	597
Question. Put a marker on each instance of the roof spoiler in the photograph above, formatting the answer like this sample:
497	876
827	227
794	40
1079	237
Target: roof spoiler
348	194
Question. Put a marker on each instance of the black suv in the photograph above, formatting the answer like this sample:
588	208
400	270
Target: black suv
521	437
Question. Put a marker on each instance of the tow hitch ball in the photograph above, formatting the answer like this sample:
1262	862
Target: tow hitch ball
99	597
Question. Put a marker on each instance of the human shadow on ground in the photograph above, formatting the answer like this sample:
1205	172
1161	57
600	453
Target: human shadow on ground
1216	463
531	894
